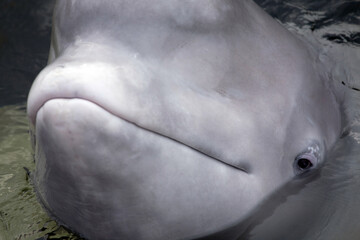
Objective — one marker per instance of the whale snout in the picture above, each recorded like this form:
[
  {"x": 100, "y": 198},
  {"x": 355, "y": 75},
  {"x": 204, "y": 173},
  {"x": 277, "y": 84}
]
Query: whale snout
[{"x": 168, "y": 108}]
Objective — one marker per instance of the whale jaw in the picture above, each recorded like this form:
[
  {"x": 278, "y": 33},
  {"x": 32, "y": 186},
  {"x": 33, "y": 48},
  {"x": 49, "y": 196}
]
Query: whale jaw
[{"x": 109, "y": 175}]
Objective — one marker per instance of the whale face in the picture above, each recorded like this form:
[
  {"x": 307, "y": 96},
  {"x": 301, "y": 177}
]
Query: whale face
[{"x": 173, "y": 119}]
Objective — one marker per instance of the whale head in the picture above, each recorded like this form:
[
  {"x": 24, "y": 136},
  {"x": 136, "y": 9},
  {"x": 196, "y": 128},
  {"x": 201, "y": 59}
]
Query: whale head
[{"x": 173, "y": 119}]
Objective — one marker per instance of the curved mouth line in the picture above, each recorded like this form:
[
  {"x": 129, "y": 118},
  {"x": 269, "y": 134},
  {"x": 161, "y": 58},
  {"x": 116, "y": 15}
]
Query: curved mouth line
[{"x": 145, "y": 129}]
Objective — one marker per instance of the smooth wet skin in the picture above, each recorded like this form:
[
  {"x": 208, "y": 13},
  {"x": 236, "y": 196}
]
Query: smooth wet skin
[{"x": 173, "y": 119}]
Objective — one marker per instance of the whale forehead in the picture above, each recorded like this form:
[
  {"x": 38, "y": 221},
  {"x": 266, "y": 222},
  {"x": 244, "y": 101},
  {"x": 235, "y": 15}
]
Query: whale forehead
[
  {"x": 225, "y": 59},
  {"x": 184, "y": 13}
]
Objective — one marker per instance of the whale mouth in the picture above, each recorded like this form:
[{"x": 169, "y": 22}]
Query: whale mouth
[{"x": 139, "y": 127}]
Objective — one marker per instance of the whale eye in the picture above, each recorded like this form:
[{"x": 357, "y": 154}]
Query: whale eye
[{"x": 305, "y": 162}]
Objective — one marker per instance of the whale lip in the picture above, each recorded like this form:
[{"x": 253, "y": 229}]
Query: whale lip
[{"x": 34, "y": 116}]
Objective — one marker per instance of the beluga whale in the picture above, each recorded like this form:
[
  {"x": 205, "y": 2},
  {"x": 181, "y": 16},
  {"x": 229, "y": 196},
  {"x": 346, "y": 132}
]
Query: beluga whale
[{"x": 174, "y": 119}]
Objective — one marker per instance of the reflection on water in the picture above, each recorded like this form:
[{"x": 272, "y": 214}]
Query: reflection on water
[
  {"x": 21, "y": 216},
  {"x": 328, "y": 207}
]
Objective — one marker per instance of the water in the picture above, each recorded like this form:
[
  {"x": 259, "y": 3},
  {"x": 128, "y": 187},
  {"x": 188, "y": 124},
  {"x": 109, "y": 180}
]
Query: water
[
  {"x": 24, "y": 43},
  {"x": 21, "y": 216},
  {"x": 327, "y": 207}
]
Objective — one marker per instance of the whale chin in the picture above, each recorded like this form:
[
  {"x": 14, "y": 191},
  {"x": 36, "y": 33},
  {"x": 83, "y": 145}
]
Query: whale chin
[{"x": 93, "y": 165}]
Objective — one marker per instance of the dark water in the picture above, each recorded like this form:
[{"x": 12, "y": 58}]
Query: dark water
[
  {"x": 24, "y": 44},
  {"x": 328, "y": 207}
]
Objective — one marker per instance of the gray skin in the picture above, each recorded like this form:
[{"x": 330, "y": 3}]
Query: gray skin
[{"x": 172, "y": 119}]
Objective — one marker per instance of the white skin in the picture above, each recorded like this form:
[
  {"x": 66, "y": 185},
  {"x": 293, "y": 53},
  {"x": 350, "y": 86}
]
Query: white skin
[{"x": 173, "y": 119}]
